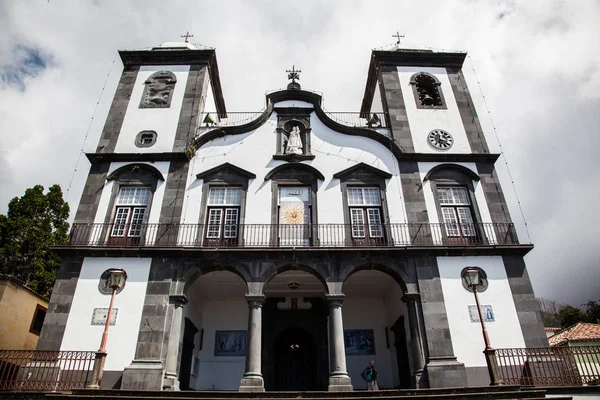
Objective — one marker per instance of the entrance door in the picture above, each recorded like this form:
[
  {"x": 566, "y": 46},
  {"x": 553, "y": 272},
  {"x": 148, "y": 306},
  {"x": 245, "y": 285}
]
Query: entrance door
[
  {"x": 187, "y": 351},
  {"x": 400, "y": 343},
  {"x": 295, "y": 361}
]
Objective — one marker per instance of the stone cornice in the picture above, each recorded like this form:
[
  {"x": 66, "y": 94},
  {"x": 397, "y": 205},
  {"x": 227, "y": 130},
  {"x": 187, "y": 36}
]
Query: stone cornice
[{"x": 97, "y": 158}]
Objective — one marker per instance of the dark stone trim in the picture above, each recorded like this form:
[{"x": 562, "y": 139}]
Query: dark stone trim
[
  {"x": 493, "y": 193},
  {"x": 90, "y": 198},
  {"x": 116, "y": 115},
  {"x": 403, "y": 57},
  {"x": 393, "y": 103},
  {"x": 467, "y": 111},
  {"x": 195, "y": 88},
  {"x": 420, "y": 106},
  {"x": 213, "y": 253},
  {"x": 528, "y": 308},
  {"x": 455, "y": 167},
  {"x": 224, "y": 167},
  {"x": 180, "y": 57},
  {"x": 412, "y": 189},
  {"x": 293, "y": 157},
  {"x": 295, "y": 166},
  {"x": 133, "y": 168},
  {"x": 361, "y": 166},
  {"x": 150, "y": 157},
  {"x": 174, "y": 196},
  {"x": 439, "y": 157}
]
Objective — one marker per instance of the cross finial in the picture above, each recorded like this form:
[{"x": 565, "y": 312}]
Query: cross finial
[
  {"x": 398, "y": 36},
  {"x": 187, "y": 35},
  {"x": 293, "y": 74}
]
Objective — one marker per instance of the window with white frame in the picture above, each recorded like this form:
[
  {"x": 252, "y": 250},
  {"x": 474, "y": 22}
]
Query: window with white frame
[
  {"x": 456, "y": 211},
  {"x": 365, "y": 212},
  {"x": 130, "y": 212},
  {"x": 223, "y": 211}
]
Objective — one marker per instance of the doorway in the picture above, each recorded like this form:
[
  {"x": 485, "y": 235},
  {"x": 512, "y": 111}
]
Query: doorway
[{"x": 295, "y": 360}]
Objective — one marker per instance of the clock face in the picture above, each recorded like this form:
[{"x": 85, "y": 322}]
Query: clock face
[{"x": 440, "y": 139}]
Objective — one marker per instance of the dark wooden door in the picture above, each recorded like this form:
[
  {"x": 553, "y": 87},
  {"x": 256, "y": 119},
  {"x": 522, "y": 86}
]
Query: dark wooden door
[
  {"x": 187, "y": 352},
  {"x": 400, "y": 344},
  {"x": 295, "y": 361}
]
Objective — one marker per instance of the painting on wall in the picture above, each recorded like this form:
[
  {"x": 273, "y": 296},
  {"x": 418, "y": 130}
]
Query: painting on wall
[
  {"x": 359, "y": 342},
  {"x": 230, "y": 343},
  {"x": 486, "y": 309}
]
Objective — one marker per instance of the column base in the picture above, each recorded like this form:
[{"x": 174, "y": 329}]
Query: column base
[
  {"x": 252, "y": 383},
  {"x": 143, "y": 375},
  {"x": 171, "y": 382},
  {"x": 446, "y": 372},
  {"x": 340, "y": 383}
]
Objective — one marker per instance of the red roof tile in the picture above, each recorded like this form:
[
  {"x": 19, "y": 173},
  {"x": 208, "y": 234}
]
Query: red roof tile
[{"x": 580, "y": 332}]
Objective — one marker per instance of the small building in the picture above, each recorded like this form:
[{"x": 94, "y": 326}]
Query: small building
[
  {"x": 580, "y": 334},
  {"x": 583, "y": 339},
  {"x": 22, "y": 313}
]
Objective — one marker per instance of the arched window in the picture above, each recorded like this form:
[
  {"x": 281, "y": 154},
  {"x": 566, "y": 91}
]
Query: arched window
[
  {"x": 158, "y": 90},
  {"x": 427, "y": 91}
]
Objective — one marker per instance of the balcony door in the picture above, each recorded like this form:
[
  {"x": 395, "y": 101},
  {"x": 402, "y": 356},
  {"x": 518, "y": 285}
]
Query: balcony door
[{"x": 294, "y": 216}]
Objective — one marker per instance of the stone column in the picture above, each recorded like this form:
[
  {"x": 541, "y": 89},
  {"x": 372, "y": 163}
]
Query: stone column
[
  {"x": 171, "y": 379},
  {"x": 253, "y": 379},
  {"x": 339, "y": 380},
  {"x": 416, "y": 339}
]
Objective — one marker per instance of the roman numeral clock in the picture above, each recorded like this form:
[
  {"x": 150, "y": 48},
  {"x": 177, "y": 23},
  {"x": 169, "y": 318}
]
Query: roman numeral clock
[{"x": 440, "y": 139}]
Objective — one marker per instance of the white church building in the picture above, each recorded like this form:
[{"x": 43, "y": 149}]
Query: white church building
[{"x": 285, "y": 249}]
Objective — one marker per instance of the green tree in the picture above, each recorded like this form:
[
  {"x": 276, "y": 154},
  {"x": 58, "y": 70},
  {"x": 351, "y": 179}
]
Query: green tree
[
  {"x": 570, "y": 315},
  {"x": 592, "y": 312},
  {"x": 33, "y": 223}
]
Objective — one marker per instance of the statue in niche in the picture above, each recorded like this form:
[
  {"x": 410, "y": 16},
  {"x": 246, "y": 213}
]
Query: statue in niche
[
  {"x": 158, "y": 91},
  {"x": 294, "y": 142}
]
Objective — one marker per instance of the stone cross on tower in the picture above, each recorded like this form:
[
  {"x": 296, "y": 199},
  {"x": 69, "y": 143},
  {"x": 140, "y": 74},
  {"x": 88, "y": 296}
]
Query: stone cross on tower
[
  {"x": 293, "y": 75},
  {"x": 187, "y": 35},
  {"x": 398, "y": 36}
]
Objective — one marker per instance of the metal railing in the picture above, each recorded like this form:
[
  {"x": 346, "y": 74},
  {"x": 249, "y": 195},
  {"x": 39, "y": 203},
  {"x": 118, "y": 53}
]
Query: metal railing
[
  {"x": 45, "y": 370},
  {"x": 354, "y": 119},
  {"x": 284, "y": 236},
  {"x": 549, "y": 366}
]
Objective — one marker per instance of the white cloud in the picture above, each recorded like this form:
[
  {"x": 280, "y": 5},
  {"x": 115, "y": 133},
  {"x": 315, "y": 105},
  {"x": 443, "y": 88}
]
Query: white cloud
[{"x": 538, "y": 63}]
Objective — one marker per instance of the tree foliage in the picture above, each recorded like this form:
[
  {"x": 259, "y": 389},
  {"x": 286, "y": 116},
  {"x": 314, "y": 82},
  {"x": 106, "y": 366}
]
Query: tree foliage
[
  {"x": 33, "y": 223},
  {"x": 570, "y": 315}
]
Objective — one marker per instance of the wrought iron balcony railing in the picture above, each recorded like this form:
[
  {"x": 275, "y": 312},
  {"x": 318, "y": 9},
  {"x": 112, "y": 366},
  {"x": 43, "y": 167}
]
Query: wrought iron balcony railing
[
  {"x": 374, "y": 121},
  {"x": 286, "y": 236},
  {"x": 45, "y": 370},
  {"x": 549, "y": 366}
]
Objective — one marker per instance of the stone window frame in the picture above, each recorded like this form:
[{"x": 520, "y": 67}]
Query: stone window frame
[
  {"x": 437, "y": 84},
  {"x": 223, "y": 176},
  {"x": 290, "y": 175},
  {"x": 138, "y": 139},
  {"x": 455, "y": 175},
  {"x": 364, "y": 176},
  {"x": 33, "y": 328},
  {"x": 147, "y": 82}
]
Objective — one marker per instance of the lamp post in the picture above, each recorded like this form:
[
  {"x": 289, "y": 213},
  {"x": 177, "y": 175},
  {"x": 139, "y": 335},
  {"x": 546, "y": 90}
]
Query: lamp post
[
  {"x": 472, "y": 278},
  {"x": 115, "y": 280}
]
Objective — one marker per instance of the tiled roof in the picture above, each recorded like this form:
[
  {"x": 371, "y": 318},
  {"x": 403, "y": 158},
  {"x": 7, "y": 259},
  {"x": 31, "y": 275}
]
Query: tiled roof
[{"x": 580, "y": 332}]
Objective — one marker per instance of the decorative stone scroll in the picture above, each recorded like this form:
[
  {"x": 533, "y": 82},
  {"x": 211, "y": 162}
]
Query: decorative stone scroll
[{"x": 158, "y": 90}]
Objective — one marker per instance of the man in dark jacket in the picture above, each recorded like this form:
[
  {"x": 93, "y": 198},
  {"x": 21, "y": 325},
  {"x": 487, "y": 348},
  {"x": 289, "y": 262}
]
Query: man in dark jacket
[{"x": 370, "y": 375}]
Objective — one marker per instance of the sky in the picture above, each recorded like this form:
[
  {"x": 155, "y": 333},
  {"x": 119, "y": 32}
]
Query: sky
[{"x": 535, "y": 64}]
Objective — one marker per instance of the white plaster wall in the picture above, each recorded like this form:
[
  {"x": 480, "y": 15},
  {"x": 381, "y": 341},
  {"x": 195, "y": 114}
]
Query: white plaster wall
[
  {"x": 369, "y": 313},
  {"x": 80, "y": 334},
  {"x": 467, "y": 338},
  {"x": 254, "y": 151},
  {"x": 423, "y": 121},
  {"x": 162, "y": 120},
  {"x": 221, "y": 373},
  {"x": 157, "y": 198}
]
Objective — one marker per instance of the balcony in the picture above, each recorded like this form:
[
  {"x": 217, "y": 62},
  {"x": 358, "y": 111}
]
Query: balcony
[{"x": 292, "y": 236}]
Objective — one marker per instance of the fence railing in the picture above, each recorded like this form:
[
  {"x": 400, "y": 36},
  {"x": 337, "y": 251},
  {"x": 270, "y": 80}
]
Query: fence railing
[
  {"x": 306, "y": 235},
  {"x": 549, "y": 366},
  {"x": 354, "y": 119},
  {"x": 45, "y": 370}
]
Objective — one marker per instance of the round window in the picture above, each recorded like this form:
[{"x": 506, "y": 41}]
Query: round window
[{"x": 145, "y": 138}]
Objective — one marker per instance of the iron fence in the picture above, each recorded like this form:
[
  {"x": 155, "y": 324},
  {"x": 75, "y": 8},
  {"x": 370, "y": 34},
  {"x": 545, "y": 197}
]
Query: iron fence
[
  {"x": 274, "y": 235},
  {"x": 45, "y": 370},
  {"x": 549, "y": 366}
]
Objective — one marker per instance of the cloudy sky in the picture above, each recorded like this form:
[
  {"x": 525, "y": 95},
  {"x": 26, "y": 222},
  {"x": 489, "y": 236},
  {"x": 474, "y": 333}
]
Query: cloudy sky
[{"x": 538, "y": 63}]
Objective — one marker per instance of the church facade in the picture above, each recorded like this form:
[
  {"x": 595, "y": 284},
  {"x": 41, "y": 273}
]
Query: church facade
[{"x": 285, "y": 249}]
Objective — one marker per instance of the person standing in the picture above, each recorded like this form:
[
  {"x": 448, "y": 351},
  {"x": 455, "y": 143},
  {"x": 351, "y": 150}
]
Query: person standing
[{"x": 370, "y": 375}]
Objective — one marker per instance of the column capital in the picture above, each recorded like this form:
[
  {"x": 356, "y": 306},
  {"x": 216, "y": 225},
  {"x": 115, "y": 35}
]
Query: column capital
[
  {"x": 255, "y": 300},
  {"x": 179, "y": 300},
  {"x": 411, "y": 297},
  {"x": 335, "y": 299}
]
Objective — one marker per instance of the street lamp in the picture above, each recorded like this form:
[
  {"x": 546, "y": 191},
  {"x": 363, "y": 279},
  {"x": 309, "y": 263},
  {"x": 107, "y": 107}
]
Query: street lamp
[
  {"x": 115, "y": 280},
  {"x": 472, "y": 277}
]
